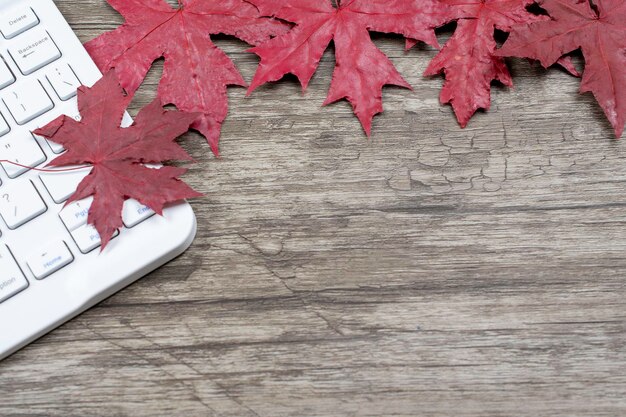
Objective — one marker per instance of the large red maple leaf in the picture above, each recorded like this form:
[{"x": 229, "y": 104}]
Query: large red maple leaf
[
  {"x": 599, "y": 29},
  {"x": 361, "y": 68},
  {"x": 196, "y": 73},
  {"x": 118, "y": 154},
  {"x": 468, "y": 59}
]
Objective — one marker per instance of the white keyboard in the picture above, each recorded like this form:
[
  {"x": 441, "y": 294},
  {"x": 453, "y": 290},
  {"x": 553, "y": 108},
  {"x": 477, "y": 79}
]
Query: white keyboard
[{"x": 50, "y": 266}]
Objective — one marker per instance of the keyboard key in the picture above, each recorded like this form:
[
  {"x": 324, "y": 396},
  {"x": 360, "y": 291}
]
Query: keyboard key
[
  {"x": 61, "y": 185},
  {"x": 55, "y": 147},
  {"x": 50, "y": 259},
  {"x": 6, "y": 76},
  {"x": 23, "y": 150},
  {"x": 12, "y": 280},
  {"x": 27, "y": 100},
  {"x": 134, "y": 213},
  {"x": 75, "y": 215},
  {"x": 4, "y": 126},
  {"x": 17, "y": 21},
  {"x": 64, "y": 81},
  {"x": 34, "y": 50},
  {"x": 87, "y": 238},
  {"x": 20, "y": 203}
]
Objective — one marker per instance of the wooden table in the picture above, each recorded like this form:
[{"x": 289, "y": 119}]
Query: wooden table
[{"x": 428, "y": 271}]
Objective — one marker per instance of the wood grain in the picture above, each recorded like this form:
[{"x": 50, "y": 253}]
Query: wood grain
[{"x": 428, "y": 271}]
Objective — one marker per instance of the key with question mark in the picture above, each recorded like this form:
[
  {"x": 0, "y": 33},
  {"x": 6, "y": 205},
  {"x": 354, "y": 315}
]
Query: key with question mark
[
  {"x": 20, "y": 202},
  {"x": 6, "y": 200}
]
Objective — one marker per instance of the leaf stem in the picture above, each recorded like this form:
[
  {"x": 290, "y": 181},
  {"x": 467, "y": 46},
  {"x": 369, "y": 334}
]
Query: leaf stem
[{"x": 4, "y": 161}]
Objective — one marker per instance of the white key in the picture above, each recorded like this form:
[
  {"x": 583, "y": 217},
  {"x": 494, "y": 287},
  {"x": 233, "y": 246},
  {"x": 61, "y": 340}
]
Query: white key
[
  {"x": 64, "y": 81},
  {"x": 69, "y": 108},
  {"x": 20, "y": 203},
  {"x": 55, "y": 147},
  {"x": 17, "y": 21},
  {"x": 6, "y": 76},
  {"x": 134, "y": 213},
  {"x": 4, "y": 126},
  {"x": 87, "y": 238},
  {"x": 75, "y": 215},
  {"x": 27, "y": 101},
  {"x": 61, "y": 185},
  {"x": 34, "y": 50},
  {"x": 49, "y": 259},
  {"x": 22, "y": 149},
  {"x": 12, "y": 280}
]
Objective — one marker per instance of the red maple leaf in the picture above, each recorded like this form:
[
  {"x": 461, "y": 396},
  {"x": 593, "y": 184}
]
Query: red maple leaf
[
  {"x": 118, "y": 154},
  {"x": 361, "y": 68},
  {"x": 599, "y": 29},
  {"x": 196, "y": 73},
  {"x": 468, "y": 59}
]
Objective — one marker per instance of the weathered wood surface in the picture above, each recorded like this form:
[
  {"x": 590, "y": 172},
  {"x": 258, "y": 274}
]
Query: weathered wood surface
[{"x": 429, "y": 271}]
